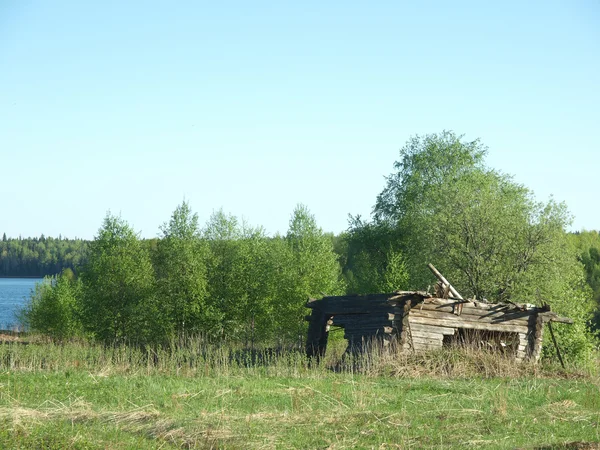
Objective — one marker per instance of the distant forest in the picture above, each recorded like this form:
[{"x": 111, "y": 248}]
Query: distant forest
[{"x": 39, "y": 256}]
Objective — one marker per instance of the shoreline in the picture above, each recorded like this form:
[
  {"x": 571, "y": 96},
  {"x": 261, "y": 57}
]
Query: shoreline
[{"x": 24, "y": 277}]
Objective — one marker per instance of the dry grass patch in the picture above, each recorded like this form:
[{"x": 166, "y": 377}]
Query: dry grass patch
[{"x": 145, "y": 421}]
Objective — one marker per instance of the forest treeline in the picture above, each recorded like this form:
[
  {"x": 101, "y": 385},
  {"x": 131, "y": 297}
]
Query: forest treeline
[
  {"x": 39, "y": 257},
  {"x": 228, "y": 280}
]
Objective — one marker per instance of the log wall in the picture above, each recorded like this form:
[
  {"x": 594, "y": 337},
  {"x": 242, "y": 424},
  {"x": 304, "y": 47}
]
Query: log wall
[{"x": 419, "y": 321}]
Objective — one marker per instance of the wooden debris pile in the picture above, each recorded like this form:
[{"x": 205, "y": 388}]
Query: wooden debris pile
[{"x": 421, "y": 321}]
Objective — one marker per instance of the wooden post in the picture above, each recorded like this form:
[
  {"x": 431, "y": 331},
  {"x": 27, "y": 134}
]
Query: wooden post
[{"x": 441, "y": 277}]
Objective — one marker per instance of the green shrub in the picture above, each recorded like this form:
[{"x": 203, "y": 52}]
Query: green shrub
[{"x": 53, "y": 307}]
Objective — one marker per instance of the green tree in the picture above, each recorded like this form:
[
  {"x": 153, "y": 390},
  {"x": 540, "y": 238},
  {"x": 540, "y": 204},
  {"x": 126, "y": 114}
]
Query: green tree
[
  {"x": 243, "y": 275},
  {"x": 118, "y": 302},
  {"x": 222, "y": 234},
  {"x": 312, "y": 270},
  {"x": 54, "y": 307},
  {"x": 374, "y": 260},
  {"x": 180, "y": 265},
  {"x": 587, "y": 244},
  {"x": 426, "y": 163}
]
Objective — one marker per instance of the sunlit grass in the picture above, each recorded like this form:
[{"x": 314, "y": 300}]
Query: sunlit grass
[{"x": 201, "y": 396}]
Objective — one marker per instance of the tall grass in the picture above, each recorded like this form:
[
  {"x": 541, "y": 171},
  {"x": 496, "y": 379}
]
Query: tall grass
[
  {"x": 195, "y": 356},
  {"x": 194, "y": 394}
]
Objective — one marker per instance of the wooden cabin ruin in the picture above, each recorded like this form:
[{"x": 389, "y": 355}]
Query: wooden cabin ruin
[{"x": 420, "y": 321}]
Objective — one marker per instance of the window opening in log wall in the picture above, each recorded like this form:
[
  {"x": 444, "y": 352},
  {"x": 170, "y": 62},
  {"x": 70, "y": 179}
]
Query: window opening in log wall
[{"x": 494, "y": 341}]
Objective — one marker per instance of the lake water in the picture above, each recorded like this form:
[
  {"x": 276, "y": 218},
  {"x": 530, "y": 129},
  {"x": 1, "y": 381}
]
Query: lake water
[{"x": 14, "y": 293}]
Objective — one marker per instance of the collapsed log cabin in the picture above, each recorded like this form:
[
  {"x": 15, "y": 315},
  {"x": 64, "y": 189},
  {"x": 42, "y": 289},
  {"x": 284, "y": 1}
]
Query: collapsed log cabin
[{"x": 419, "y": 321}]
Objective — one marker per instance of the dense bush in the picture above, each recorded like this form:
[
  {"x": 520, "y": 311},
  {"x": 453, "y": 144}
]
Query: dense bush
[
  {"x": 54, "y": 307},
  {"x": 227, "y": 281}
]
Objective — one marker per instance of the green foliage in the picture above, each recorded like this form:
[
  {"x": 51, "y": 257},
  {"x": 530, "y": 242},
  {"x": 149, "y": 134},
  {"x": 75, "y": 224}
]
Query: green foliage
[
  {"x": 181, "y": 281},
  {"x": 312, "y": 270},
  {"x": 426, "y": 163},
  {"x": 224, "y": 263},
  {"x": 38, "y": 257},
  {"x": 53, "y": 308},
  {"x": 374, "y": 261},
  {"x": 118, "y": 302},
  {"x": 239, "y": 287},
  {"x": 587, "y": 244},
  {"x": 259, "y": 284}
]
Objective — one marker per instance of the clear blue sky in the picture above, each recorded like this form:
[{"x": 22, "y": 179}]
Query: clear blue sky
[{"x": 256, "y": 106}]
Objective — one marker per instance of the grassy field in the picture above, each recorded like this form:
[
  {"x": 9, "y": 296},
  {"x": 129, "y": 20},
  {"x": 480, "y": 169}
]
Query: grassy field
[{"x": 87, "y": 397}]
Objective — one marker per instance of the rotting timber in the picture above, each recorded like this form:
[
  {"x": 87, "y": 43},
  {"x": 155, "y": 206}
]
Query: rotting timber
[{"x": 420, "y": 321}]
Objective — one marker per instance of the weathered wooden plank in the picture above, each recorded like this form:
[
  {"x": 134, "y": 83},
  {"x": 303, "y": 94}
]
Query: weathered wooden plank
[
  {"x": 366, "y": 321},
  {"x": 420, "y": 346},
  {"x": 465, "y": 318},
  {"x": 431, "y": 328},
  {"x": 424, "y": 334},
  {"x": 553, "y": 317},
  {"x": 458, "y": 323},
  {"x": 424, "y": 340},
  {"x": 340, "y": 319},
  {"x": 505, "y": 315},
  {"x": 369, "y": 330},
  {"x": 440, "y": 277},
  {"x": 483, "y": 305}
]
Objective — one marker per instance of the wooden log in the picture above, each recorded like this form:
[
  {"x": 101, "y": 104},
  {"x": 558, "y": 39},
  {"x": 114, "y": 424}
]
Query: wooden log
[
  {"x": 364, "y": 326},
  {"x": 403, "y": 324},
  {"x": 467, "y": 317},
  {"x": 508, "y": 314},
  {"x": 418, "y": 346},
  {"x": 424, "y": 334},
  {"x": 440, "y": 277},
  {"x": 361, "y": 318},
  {"x": 535, "y": 337},
  {"x": 431, "y": 329},
  {"x": 482, "y": 305},
  {"x": 464, "y": 317},
  {"x": 458, "y": 323},
  {"x": 427, "y": 341},
  {"x": 371, "y": 330},
  {"x": 553, "y": 317},
  {"x": 382, "y": 316}
]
